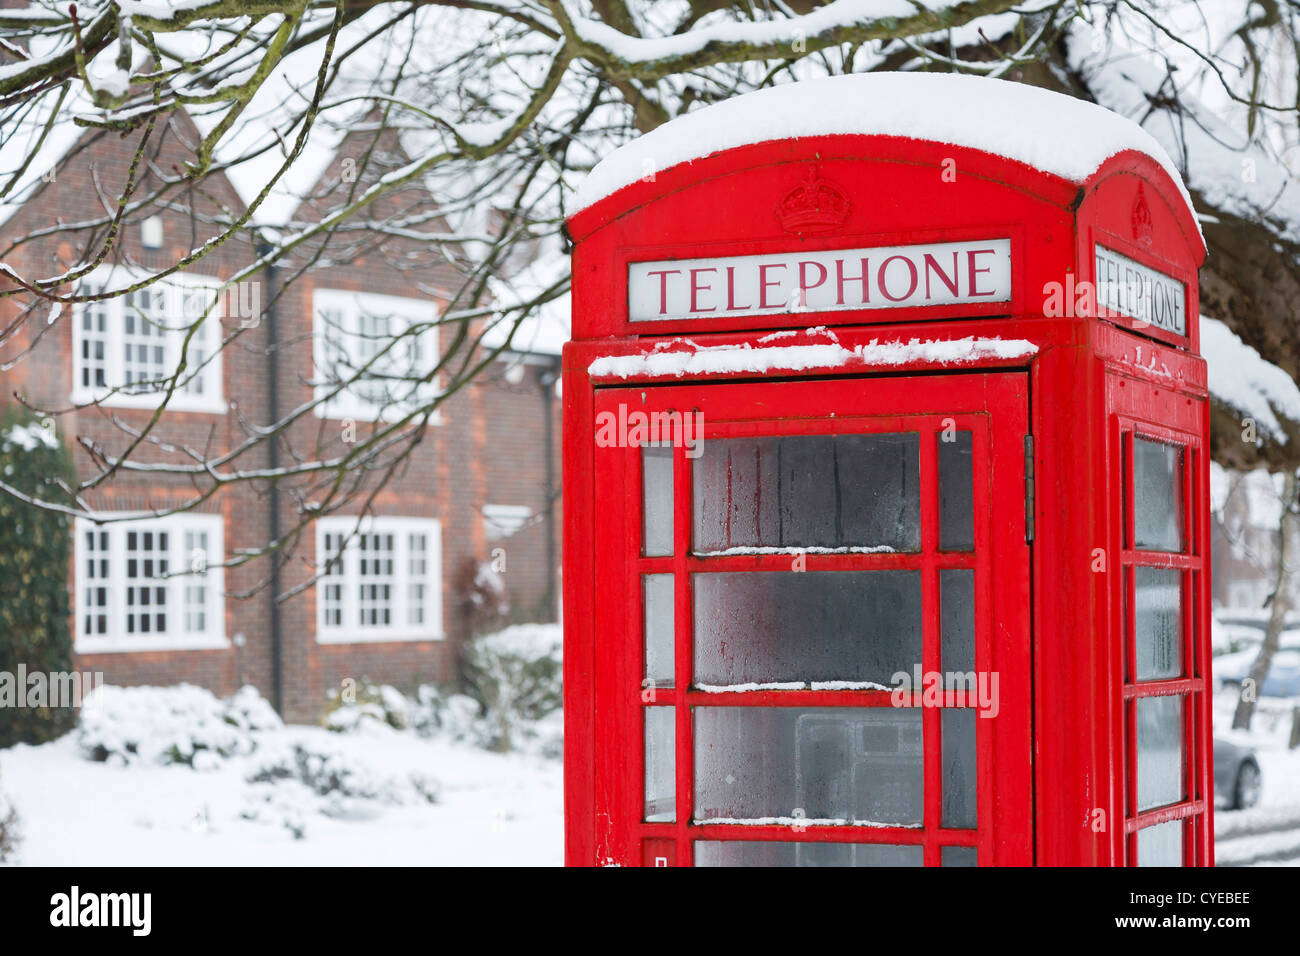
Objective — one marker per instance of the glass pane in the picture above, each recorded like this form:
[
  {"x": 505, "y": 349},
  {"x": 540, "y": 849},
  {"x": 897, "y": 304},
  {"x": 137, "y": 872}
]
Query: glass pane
[
  {"x": 882, "y": 854},
  {"x": 1157, "y": 623},
  {"x": 658, "y": 594},
  {"x": 660, "y": 765},
  {"x": 1157, "y": 496},
  {"x": 960, "y": 856},
  {"x": 808, "y": 491},
  {"x": 1159, "y": 751},
  {"x": 657, "y": 499},
  {"x": 959, "y": 767},
  {"x": 957, "y": 619},
  {"x": 779, "y": 853},
  {"x": 956, "y": 492},
  {"x": 847, "y": 765},
  {"x": 1161, "y": 845},
  {"x": 806, "y": 626}
]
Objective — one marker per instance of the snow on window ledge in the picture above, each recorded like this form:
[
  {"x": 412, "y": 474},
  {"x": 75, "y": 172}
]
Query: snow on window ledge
[
  {"x": 801, "y": 822},
  {"x": 819, "y": 685},
  {"x": 375, "y": 636},
  {"x": 683, "y": 357},
  {"x": 138, "y": 644},
  {"x": 179, "y": 402},
  {"x": 344, "y": 407}
]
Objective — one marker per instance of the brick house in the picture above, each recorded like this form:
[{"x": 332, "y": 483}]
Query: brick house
[
  {"x": 479, "y": 486},
  {"x": 1244, "y": 540}
]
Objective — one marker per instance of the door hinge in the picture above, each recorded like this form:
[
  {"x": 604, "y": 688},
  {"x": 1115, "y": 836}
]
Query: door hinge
[{"x": 1029, "y": 489}]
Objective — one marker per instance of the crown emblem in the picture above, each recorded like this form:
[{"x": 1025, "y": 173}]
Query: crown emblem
[
  {"x": 1142, "y": 218},
  {"x": 815, "y": 205}
]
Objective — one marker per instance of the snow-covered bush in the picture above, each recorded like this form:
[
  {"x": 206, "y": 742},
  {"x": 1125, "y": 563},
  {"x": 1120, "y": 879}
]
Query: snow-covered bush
[
  {"x": 294, "y": 780},
  {"x": 544, "y": 737},
  {"x": 250, "y": 711},
  {"x": 182, "y": 724},
  {"x": 514, "y": 700},
  {"x": 327, "y": 771},
  {"x": 432, "y": 712},
  {"x": 516, "y": 675},
  {"x": 8, "y": 829},
  {"x": 458, "y": 717},
  {"x": 286, "y": 805},
  {"x": 367, "y": 705}
]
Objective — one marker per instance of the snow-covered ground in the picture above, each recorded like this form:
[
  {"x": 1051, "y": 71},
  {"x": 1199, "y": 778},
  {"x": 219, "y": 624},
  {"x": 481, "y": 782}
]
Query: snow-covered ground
[
  {"x": 491, "y": 809},
  {"x": 294, "y": 795}
]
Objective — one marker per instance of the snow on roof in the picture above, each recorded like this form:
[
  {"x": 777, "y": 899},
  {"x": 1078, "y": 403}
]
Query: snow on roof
[
  {"x": 266, "y": 134},
  {"x": 1052, "y": 132},
  {"x": 1241, "y": 379},
  {"x": 249, "y": 177}
]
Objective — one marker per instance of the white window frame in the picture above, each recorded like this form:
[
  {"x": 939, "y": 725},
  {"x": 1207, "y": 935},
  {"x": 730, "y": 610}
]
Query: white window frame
[
  {"x": 351, "y": 631},
  {"x": 352, "y": 307},
  {"x": 176, "y": 637},
  {"x": 207, "y": 341}
]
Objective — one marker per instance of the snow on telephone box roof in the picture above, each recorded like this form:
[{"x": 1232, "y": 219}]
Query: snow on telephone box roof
[{"x": 1051, "y": 132}]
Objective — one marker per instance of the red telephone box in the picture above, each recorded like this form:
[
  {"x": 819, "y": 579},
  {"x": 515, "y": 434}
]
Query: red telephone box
[{"x": 885, "y": 466}]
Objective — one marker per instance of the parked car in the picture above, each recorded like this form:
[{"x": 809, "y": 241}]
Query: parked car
[
  {"x": 1242, "y": 630},
  {"x": 1257, "y": 618},
  {"x": 1237, "y": 779},
  {"x": 1283, "y": 673}
]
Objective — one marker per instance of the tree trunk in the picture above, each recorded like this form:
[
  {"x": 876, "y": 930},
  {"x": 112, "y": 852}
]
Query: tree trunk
[{"x": 1277, "y": 618}]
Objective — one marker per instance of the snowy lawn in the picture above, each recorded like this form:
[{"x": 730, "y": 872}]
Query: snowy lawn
[{"x": 492, "y": 809}]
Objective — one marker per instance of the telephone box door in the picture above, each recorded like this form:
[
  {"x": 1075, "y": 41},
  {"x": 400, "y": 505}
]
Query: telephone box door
[{"x": 813, "y": 623}]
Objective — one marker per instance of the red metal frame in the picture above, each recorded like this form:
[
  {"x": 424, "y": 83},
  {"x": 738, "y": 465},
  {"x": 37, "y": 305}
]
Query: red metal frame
[
  {"x": 1193, "y": 685},
  {"x": 994, "y": 408},
  {"x": 1090, "y": 382}
]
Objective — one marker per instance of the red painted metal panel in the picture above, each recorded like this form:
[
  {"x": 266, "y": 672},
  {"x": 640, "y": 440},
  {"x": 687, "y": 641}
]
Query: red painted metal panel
[
  {"x": 659, "y": 853},
  {"x": 579, "y": 598}
]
